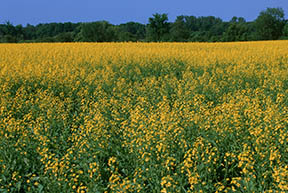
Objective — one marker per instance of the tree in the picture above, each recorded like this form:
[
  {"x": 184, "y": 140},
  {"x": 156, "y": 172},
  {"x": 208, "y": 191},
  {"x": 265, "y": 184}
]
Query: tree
[
  {"x": 100, "y": 31},
  {"x": 64, "y": 37},
  {"x": 179, "y": 31},
  {"x": 191, "y": 23},
  {"x": 207, "y": 23},
  {"x": 131, "y": 31},
  {"x": 237, "y": 30},
  {"x": 158, "y": 28},
  {"x": 237, "y": 20},
  {"x": 9, "y": 33},
  {"x": 208, "y": 29},
  {"x": 285, "y": 30},
  {"x": 29, "y": 32},
  {"x": 269, "y": 24}
]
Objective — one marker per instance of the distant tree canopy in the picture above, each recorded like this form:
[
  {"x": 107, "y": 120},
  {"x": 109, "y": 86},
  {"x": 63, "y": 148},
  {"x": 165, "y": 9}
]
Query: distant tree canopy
[
  {"x": 237, "y": 30},
  {"x": 131, "y": 31},
  {"x": 100, "y": 31},
  {"x": 269, "y": 25},
  {"x": 180, "y": 31},
  {"x": 158, "y": 28},
  {"x": 285, "y": 30}
]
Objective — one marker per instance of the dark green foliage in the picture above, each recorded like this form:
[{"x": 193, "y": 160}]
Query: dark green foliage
[
  {"x": 10, "y": 33},
  {"x": 131, "y": 31},
  {"x": 270, "y": 25},
  {"x": 65, "y": 37},
  {"x": 180, "y": 31},
  {"x": 285, "y": 30},
  {"x": 54, "y": 29},
  {"x": 158, "y": 28},
  {"x": 237, "y": 30},
  {"x": 101, "y": 31}
]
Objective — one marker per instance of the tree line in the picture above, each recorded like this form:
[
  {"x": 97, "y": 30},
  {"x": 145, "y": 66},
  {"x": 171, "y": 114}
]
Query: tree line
[{"x": 269, "y": 25}]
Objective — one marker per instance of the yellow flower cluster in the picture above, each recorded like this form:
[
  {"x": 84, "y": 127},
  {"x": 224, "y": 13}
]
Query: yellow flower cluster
[{"x": 144, "y": 117}]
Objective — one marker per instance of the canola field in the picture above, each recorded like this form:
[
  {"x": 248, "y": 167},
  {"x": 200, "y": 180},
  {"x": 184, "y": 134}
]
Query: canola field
[{"x": 144, "y": 117}]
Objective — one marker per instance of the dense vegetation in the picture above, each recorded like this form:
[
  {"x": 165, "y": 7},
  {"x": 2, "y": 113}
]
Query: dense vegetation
[
  {"x": 270, "y": 25},
  {"x": 144, "y": 117}
]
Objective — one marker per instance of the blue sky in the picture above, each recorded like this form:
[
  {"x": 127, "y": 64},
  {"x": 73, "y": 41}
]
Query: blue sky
[{"x": 121, "y": 11}]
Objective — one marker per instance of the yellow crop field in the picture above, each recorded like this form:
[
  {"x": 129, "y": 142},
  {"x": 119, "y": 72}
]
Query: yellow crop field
[{"x": 144, "y": 117}]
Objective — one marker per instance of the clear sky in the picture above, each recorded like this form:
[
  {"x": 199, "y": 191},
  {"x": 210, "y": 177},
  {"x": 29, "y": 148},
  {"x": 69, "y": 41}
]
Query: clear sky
[{"x": 121, "y": 11}]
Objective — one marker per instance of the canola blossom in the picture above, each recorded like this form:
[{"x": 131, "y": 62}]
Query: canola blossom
[{"x": 144, "y": 117}]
